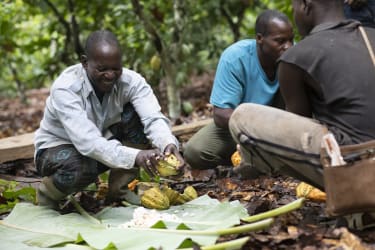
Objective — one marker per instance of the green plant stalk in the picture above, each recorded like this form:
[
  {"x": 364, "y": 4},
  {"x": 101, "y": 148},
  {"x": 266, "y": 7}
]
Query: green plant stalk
[
  {"x": 128, "y": 204},
  {"x": 228, "y": 245},
  {"x": 276, "y": 212},
  {"x": 256, "y": 226},
  {"x": 82, "y": 211},
  {"x": 259, "y": 225}
]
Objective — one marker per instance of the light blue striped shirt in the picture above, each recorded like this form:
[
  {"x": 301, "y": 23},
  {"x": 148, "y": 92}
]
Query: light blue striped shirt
[{"x": 74, "y": 115}]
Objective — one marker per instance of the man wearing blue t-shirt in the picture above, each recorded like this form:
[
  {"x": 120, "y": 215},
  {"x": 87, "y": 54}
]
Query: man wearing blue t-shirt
[{"x": 246, "y": 72}]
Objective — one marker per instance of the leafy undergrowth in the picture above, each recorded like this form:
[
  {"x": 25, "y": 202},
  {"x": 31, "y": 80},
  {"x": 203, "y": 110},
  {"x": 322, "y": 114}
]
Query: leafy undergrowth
[
  {"x": 12, "y": 193},
  {"x": 305, "y": 228}
]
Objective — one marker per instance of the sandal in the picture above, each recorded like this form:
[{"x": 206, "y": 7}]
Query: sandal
[{"x": 360, "y": 221}]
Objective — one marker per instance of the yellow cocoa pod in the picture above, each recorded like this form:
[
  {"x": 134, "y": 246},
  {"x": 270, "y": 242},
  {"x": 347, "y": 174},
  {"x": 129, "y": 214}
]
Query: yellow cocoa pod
[
  {"x": 155, "y": 62},
  {"x": 168, "y": 166},
  {"x": 142, "y": 186},
  {"x": 309, "y": 192},
  {"x": 172, "y": 160},
  {"x": 181, "y": 199},
  {"x": 236, "y": 159},
  {"x": 190, "y": 193},
  {"x": 171, "y": 194},
  {"x": 154, "y": 198}
]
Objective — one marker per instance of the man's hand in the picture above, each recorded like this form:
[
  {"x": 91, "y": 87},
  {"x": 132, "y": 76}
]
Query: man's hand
[
  {"x": 172, "y": 149},
  {"x": 148, "y": 159},
  {"x": 356, "y": 4}
]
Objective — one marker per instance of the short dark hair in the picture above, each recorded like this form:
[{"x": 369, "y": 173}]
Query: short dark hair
[
  {"x": 263, "y": 20},
  {"x": 99, "y": 37}
]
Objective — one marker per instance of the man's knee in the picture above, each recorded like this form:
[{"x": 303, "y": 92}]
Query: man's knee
[
  {"x": 76, "y": 176},
  {"x": 198, "y": 157},
  {"x": 192, "y": 155}
]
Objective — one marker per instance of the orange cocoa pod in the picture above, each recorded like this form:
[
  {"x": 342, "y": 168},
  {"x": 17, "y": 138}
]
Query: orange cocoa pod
[
  {"x": 309, "y": 192},
  {"x": 236, "y": 159},
  {"x": 133, "y": 184}
]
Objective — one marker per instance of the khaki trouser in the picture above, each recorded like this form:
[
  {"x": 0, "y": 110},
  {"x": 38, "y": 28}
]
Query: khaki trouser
[
  {"x": 276, "y": 141},
  {"x": 209, "y": 147}
]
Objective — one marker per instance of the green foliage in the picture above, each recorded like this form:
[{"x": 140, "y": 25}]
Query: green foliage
[
  {"x": 39, "y": 38},
  {"x": 102, "y": 178},
  {"x": 11, "y": 194},
  {"x": 145, "y": 177}
]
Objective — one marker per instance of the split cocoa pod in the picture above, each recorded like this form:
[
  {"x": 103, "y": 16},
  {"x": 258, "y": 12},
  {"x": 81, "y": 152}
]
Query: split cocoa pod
[{"x": 168, "y": 166}]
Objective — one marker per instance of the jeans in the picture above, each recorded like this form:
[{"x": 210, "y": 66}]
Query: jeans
[{"x": 71, "y": 172}]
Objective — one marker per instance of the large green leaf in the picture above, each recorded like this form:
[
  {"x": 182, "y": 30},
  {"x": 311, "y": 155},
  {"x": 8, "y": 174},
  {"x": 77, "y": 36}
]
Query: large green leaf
[
  {"x": 203, "y": 220},
  {"x": 22, "y": 239}
]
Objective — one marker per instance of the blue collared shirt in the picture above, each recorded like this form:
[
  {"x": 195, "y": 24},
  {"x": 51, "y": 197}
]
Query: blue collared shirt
[
  {"x": 240, "y": 78},
  {"x": 74, "y": 115}
]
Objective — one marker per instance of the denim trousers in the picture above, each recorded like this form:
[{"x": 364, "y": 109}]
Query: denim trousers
[{"x": 71, "y": 171}]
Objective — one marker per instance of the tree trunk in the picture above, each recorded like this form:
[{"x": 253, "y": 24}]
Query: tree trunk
[
  {"x": 19, "y": 84},
  {"x": 174, "y": 100},
  {"x": 168, "y": 54},
  {"x": 173, "y": 91}
]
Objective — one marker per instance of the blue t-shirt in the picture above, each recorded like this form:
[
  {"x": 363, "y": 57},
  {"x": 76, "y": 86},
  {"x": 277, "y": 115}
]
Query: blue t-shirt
[{"x": 240, "y": 78}]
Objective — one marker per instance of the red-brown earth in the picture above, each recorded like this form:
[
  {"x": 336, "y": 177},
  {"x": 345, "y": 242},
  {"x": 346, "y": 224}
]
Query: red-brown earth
[{"x": 306, "y": 228}]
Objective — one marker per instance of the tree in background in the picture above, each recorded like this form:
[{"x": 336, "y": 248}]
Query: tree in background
[{"x": 166, "y": 41}]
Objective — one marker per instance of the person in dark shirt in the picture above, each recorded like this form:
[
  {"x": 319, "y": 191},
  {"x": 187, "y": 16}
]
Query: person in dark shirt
[{"x": 328, "y": 84}]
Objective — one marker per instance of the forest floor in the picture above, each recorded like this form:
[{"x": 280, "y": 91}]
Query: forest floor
[{"x": 306, "y": 228}]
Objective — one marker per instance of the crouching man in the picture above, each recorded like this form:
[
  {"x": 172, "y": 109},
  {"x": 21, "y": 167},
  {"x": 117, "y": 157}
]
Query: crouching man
[{"x": 99, "y": 116}]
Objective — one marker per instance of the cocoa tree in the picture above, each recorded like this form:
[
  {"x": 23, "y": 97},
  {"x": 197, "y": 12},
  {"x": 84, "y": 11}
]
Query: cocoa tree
[{"x": 39, "y": 38}]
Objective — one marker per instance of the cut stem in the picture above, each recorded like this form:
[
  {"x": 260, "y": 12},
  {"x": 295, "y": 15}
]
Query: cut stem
[
  {"x": 276, "y": 212},
  {"x": 232, "y": 244},
  {"x": 259, "y": 225},
  {"x": 256, "y": 226}
]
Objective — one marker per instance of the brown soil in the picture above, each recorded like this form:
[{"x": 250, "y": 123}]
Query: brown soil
[{"x": 306, "y": 228}]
